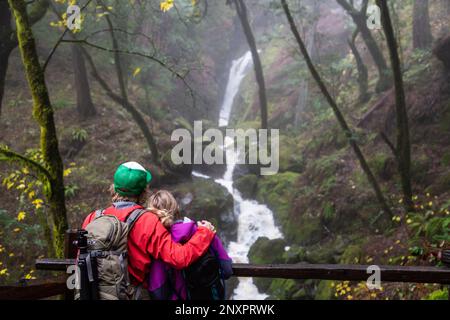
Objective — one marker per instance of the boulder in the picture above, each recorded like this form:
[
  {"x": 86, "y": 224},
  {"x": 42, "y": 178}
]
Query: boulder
[
  {"x": 204, "y": 199},
  {"x": 442, "y": 51}
]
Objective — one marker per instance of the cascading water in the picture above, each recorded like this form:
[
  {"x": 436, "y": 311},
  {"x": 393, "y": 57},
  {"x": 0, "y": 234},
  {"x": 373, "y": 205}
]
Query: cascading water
[{"x": 254, "y": 220}]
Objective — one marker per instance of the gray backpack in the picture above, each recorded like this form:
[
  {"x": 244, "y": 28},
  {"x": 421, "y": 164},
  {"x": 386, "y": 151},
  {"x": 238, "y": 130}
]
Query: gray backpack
[{"x": 107, "y": 248}]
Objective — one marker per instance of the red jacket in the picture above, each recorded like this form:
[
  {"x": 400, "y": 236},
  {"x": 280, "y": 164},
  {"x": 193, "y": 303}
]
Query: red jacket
[{"x": 149, "y": 239}]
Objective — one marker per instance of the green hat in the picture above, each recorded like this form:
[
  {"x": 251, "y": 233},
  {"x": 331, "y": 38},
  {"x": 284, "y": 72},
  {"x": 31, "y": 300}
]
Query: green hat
[{"x": 131, "y": 179}]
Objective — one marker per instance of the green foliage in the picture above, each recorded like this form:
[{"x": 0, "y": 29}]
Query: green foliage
[
  {"x": 20, "y": 244},
  {"x": 71, "y": 191},
  {"x": 328, "y": 212},
  {"x": 438, "y": 295},
  {"x": 79, "y": 134}
]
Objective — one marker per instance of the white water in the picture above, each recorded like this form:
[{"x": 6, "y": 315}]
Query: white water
[
  {"x": 254, "y": 220},
  {"x": 238, "y": 72}
]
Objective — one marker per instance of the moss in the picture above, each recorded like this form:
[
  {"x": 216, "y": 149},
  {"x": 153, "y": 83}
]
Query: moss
[
  {"x": 324, "y": 291},
  {"x": 306, "y": 231},
  {"x": 277, "y": 192},
  {"x": 283, "y": 289},
  {"x": 291, "y": 158},
  {"x": 247, "y": 185},
  {"x": 328, "y": 212},
  {"x": 265, "y": 251},
  {"x": 295, "y": 254},
  {"x": 352, "y": 255}
]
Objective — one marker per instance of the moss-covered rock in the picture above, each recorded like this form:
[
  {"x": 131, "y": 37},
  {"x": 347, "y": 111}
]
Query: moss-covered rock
[
  {"x": 352, "y": 254},
  {"x": 205, "y": 199},
  {"x": 247, "y": 185},
  {"x": 172, "y": 172},
  {"x": 266, "y": 251},
  {"x": 277, "y": 192}
]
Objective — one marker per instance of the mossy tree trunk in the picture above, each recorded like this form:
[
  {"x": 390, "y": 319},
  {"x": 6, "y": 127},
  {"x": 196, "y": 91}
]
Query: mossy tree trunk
[
  {"x": 339, "y": 116},
  {"x": 241, "y": 10},
  {"x": 43, "y": 114},
  {"x": 403, "y": 148},
  {"x": 360, "y": 19}
]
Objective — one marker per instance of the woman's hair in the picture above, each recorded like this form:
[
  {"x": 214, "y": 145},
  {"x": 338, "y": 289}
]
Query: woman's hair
[
  {"x": 140, "y": 199},
  {"x": 165, "y": 206}
]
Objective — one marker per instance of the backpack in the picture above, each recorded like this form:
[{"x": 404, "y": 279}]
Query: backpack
[
  {"x": 203, "y": 279},
  {"x": 106, "y": 260}
]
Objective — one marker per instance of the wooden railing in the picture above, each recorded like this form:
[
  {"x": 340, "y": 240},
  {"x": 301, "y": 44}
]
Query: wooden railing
[{"x": 292, "y": 271}]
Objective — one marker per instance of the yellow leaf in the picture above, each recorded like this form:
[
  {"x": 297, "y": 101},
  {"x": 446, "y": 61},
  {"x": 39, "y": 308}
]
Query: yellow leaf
[
  {"x": 21, "y": 216},
  {"x": 166, "y": 5},
  {"x": 136, "y": 71},
  {"x": 16, "y": 230},
  {"x": 67, "y": 172}
]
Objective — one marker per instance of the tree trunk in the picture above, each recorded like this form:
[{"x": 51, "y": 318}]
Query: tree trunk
[
  {"x": 360, "y": 19},
  {"x": 85, "y": 107},
  {"x": 8, "y": 41},
  {"x": 5, "y": 45},
  {"x": 43, "y": 113},
  {"x": 363, "y": 75},
  {"x": 337, "y": 112},
  {"x": 241, "y": 10},
  {"x": 403, "y": 143},
  {"x": 4, "y": 60},
  {"x": 304, "y": 83},
  {"x": 422, "y": 37}
]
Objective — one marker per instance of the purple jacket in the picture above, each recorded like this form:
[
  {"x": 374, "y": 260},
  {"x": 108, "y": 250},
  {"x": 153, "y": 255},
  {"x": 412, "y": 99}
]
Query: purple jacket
[{"x": 159, "y": 286}]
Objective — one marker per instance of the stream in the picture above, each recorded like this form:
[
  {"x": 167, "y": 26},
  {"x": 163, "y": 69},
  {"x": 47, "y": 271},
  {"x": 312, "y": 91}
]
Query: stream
[{"x": 255, "y": 220}]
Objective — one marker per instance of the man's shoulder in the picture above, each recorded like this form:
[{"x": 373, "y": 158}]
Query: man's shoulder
[{"x": 146, "y": 218}]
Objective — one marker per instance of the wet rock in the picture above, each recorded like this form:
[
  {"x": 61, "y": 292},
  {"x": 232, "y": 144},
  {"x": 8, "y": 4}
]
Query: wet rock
[
  {"x": 442, "y": 51},
  {"x": 247, "y": 186},
  {"x": 266, "y": 251},
  {"x": 203, "y": 199}
]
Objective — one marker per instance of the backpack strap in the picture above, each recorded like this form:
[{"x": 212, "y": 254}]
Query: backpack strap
[
  {"x": 133, "y": 217},
  {"x": 98, "y": 213}
]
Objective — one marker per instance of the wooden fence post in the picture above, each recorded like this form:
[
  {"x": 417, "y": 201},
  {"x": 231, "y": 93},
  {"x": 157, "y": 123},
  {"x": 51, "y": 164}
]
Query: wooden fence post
[{"x": 70, "y": 252}]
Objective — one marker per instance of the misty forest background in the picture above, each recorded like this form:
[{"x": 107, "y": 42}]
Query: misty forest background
[{"x": 364, "y": 118}]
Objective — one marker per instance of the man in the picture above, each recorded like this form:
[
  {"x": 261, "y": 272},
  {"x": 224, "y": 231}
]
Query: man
[{"x": 149, "y": 239}]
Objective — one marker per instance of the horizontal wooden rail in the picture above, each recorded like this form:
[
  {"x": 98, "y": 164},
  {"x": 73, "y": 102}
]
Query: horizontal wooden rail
[
  {"x": 33, "y": 292},
  {"x": 310, "y": 271},
  {"x": 344, "y": 272}
]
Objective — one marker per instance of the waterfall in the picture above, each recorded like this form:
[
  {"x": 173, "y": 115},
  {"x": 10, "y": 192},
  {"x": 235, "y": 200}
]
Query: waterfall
[
  {"x": 254, "y": 220},
  {"x": 238, "y": 72}
]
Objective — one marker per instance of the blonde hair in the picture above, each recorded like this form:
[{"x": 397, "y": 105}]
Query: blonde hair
[
  {"x": 164, "y": 205},
  {"x": 140, "y": 199}
]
